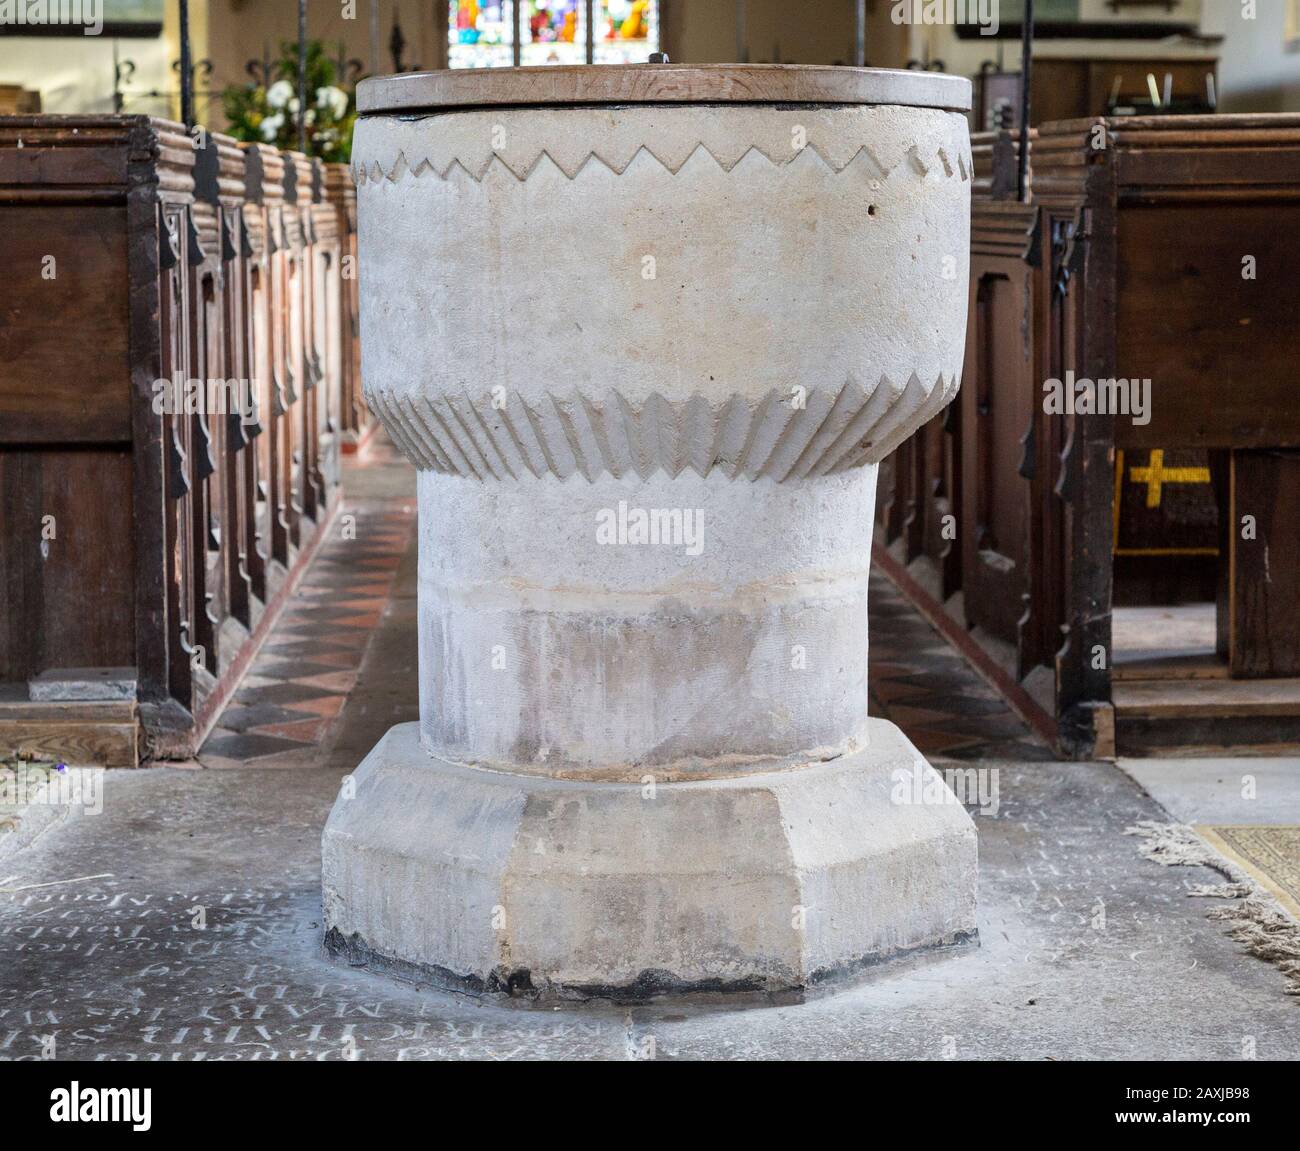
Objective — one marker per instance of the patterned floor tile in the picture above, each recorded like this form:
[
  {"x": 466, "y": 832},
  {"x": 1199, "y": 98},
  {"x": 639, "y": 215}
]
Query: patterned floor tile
[
  {"x": 246, "y": 746},
  {"x": 892, "y": 692},
  {"x": 241, "y": 718},
  {"x": 335, "y": 681},
  {"x": 302, "y": 731},
  {"x": 297, "y": 686},
  {"x": 930, "y": 742},
  {"x": 920, "y": 683},
  {"x": 328, "y": 706},
  {"x": 908, "y": 716},
  {"x": 286, "y": 706},
  {"x": 368, "y": 620},
  {"x": 311, "y": 649},
  {"x": 336, "y": 659},
  {"x": 295, "y": 669}
]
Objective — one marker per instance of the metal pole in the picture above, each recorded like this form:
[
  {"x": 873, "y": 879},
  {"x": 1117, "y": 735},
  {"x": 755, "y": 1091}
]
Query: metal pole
[
  {"x": 591, "y": 31},
  {"x": 187, "y": 79},
  {"x": 517, "y": 53},
  {"x": 860, "y": 35},
  {"x": 302, "y": 75},
  {"x": 1026, "y": 75}
]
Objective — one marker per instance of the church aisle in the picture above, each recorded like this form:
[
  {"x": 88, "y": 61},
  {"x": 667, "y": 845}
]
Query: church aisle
[
  {"x": 197, "y": 893},
  {"x": 286, "y": 709},
  {"x": 184, "y": 921},
  {"x": 923, "y": 684}
]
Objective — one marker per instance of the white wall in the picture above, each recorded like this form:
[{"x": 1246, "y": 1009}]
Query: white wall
[
  {"x": 1257, "y": 72},
  {"x": 75, "y": 73},
  {"x": 966, "y": 56}
]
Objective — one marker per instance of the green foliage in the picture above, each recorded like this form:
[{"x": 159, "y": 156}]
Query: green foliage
[{"x": 269, "y": 115}]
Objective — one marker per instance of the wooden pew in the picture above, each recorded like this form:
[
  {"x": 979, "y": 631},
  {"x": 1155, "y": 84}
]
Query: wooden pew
[
  {"x": 147, "y": 540},
  {"x": 1128, "y": 262},
  {"x": 355, "y": 420},
  {"x": 263, "y": 217},
  {"x": 220, "y": 192},
  {"x": 95, "y": 209},
  {"x": 295, "y": 301},
  {"x": 327, "y": 331},
  {"x": 970, "y": 465}
]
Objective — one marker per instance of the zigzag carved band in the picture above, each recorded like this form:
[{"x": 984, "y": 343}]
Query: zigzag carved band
[
  {"x": 941, "y": 163},
  {"x": 771, "y": 436}
]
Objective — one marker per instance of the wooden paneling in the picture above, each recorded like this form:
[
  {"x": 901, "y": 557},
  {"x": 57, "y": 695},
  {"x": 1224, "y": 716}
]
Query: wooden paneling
[
  {"x": 996, "y": 408},
  {"x": 1127, "y": 80},
  {"x": 66, "y": 560},
  {"x": 918, "y": 498},
  {"x": 106, "y": 734},
  {"x": 63, "y": 267},
  {"x": 1220, "y": 350},
  {"x": 176, "y": 528},
  {"x": 1060, "y": 91},
  {"x": 16, "y": 98},
  {"x": 1069, "y": 88},
  {"x": 1126, "y": 263},
  {"x": 1262, "y": 540},
  {"x": 355, "y": 419}
]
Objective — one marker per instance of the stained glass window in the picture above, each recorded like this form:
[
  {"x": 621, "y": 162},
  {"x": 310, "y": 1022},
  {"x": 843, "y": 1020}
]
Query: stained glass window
[
  {"x": 627, "y": 31},
  {"x": 553, "y": 32},
  {"x": 482, "y": 34}
]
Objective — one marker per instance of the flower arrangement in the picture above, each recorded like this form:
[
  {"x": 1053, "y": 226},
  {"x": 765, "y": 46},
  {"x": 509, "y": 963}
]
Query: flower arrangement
[{"x": 269, "y": 115}]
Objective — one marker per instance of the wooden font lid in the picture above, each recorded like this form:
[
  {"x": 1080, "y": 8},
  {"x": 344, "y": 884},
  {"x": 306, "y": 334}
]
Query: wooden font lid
[{"x": 661, "y": 84}]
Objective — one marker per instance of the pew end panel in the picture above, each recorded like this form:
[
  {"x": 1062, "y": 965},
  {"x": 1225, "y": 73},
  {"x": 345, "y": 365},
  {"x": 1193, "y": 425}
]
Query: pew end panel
[{"x": 138, "y": 525}]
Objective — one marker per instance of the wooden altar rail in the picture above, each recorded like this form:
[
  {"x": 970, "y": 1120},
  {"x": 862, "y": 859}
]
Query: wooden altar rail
[
  {"x": 1126, "y": 263},
  {"x": 150, "y": 528}
]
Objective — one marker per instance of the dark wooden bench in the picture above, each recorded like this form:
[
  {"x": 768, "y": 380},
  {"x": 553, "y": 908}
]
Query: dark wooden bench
[
  {"x": 1129, "y": 261},
  {"x": 135, "y": 534}
]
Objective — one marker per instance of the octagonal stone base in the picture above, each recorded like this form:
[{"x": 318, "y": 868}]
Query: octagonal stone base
[{"x": 765, "y": 882}]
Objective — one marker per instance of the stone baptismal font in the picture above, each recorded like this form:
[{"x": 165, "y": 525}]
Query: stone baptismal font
[{"x": 647, "y": 332}]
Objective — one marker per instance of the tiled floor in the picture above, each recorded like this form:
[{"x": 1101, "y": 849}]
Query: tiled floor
[
  {"x": 301, "y": 679},
  {"x": 285, "y": 709},
  {"x": 921, "y": 683},
  {"x": 1154, "y": 980}
]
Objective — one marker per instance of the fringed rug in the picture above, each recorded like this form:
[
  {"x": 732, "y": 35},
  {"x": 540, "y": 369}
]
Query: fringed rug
[
  {"x": 1270, "y": 855},
  {"x": 1262, "y": 867}
]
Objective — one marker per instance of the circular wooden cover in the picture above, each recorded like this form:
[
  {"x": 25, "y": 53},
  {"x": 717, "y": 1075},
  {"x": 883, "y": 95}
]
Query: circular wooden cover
[{"x": 661, "y": 84}]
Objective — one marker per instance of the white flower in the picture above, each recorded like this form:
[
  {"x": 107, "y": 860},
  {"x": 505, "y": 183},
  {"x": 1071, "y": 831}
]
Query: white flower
[
  {"x": 277, "y": 95},
  {"x": 310, "y": 118},
  {"x": 335, "y": 99},
  {"x": 293, "y": 105},
  {"x": 271, "y": 127}
]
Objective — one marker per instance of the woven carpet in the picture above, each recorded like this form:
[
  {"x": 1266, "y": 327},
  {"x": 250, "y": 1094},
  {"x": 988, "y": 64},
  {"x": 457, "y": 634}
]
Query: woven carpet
[{"x": 1270, "y": 854}]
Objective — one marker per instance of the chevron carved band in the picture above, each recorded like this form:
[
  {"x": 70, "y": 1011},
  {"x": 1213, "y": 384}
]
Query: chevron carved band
[
  {"x": 941, "y": 162},
  {"x": 774, "y": 437},
  {"x": 921, "y": 143}
]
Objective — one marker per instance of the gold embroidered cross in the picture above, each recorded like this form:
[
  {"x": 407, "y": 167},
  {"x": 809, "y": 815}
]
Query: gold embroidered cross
[{"x": 1155, "y": 475}]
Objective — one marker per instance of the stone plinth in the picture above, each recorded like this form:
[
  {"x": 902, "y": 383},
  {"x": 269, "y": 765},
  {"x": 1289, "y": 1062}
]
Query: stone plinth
[{"x": 647, "y": 333}]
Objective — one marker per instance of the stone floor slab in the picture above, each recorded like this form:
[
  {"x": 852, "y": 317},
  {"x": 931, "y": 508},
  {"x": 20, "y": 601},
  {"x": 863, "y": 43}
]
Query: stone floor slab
[{"x": 200, "y": 934}]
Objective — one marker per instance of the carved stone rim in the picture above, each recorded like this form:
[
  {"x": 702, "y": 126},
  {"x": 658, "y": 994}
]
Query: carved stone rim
[{"x": 662, "y": 84}]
